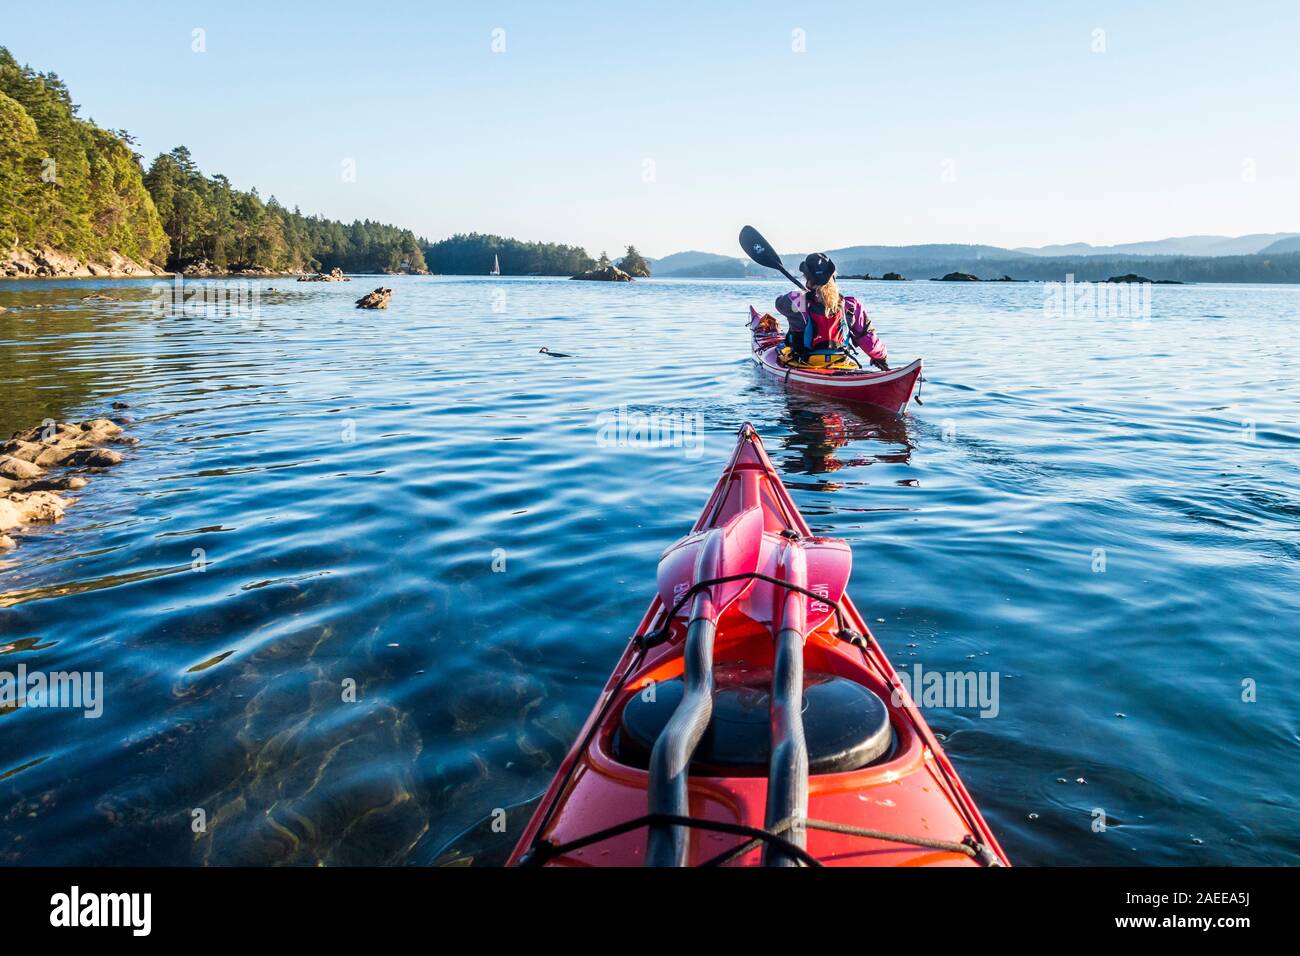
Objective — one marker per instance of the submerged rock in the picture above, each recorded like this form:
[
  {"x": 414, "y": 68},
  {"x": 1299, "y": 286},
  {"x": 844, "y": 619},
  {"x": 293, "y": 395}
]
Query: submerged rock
[
  {"x": 61, "y": 483},
  {"x": 375, "y": 300}
]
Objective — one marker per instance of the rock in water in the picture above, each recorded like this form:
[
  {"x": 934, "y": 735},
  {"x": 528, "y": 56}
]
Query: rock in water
[
  {"x": 334, "y": 275},
  {"x": 375, "y": 300},
  {"x": 607, "y": 274},
  {"x": 27, "y": 493},
  {"x": 893, "y": 277},
  {"x": 19, "y": 470},
  {"x": 960, "y": 277}
]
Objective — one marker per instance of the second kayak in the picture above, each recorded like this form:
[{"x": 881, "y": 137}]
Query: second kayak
[
  {"x": 754, "y": 719},
  {"x": 892, "y": 390}
]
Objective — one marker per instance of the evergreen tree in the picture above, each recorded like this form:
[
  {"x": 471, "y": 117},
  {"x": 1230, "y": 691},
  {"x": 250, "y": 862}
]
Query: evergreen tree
[
  {"x": 67, "y": 183},
  {"x": 633, "y": 264}
]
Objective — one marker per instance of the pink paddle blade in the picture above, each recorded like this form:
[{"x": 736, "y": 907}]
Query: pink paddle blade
[
  {"x": 827, "y": 564},
  {"x": 733, "y": 549}
]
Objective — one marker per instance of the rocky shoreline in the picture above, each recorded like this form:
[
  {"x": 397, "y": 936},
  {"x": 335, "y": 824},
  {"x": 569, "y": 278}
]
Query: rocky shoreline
[
  {"x": 47, "y": 263},
  {"x": 43, "y": 262},
  {"x": 29, "y": 493}
]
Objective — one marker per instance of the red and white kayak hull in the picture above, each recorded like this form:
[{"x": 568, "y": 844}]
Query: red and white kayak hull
[{"x": 892, "y": 390}]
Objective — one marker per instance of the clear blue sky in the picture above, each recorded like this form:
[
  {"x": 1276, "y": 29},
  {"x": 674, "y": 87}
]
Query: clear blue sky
[{"x": 846, "y": 143}]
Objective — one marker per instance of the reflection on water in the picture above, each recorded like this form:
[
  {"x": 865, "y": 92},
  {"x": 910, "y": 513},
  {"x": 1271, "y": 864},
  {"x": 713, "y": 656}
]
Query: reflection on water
[
  {"x": 818, "y": 429},
  {"x": 419, "y": 564}
]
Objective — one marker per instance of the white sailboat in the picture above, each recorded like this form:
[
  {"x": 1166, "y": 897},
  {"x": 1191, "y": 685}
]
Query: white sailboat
[{"x": 496, "y": 266}]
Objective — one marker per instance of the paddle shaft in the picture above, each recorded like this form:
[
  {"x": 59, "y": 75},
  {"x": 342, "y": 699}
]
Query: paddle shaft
[
  {"x": 670, "y": 760},
  {"x": 729, "y": 552},
  {"x": 786, "y": 273},
  {"x": 787, "y": 771}
]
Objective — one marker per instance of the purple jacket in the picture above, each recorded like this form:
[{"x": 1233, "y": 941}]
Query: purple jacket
[{"x": 794, "y": 306}]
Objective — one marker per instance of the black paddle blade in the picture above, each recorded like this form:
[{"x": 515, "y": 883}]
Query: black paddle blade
[{"x": 759, "y": 249}]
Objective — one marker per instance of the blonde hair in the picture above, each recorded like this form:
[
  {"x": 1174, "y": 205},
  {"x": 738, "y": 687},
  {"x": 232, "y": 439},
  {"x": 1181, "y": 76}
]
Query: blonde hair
[{"x": 829, "y": 294}]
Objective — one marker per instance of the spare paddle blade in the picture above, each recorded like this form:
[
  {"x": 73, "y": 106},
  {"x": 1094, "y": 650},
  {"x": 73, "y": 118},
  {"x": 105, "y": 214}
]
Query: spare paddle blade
[
  {"x": 827, "y": 564},
  {"x": 830, "y": 561},
  {"x": 759, "y": 249},
  {"x": 732, "y": 550}
]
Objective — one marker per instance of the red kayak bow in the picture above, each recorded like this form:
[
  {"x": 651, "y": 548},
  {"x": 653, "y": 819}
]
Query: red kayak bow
[{"x": 808, "y": 750}]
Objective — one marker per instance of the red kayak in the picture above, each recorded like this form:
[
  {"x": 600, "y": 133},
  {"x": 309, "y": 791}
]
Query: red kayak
[
  {"x": 754, "y": 719},
  {"x": 893, "y": 389}
]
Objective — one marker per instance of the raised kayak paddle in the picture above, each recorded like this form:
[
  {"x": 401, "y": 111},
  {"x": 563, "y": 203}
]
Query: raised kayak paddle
[{"x": 761, "y": 251}]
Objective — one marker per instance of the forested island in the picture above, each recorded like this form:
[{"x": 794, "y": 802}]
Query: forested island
[
  {"x": 70, "y": 190},
  {"x": 76, "y": 199}
]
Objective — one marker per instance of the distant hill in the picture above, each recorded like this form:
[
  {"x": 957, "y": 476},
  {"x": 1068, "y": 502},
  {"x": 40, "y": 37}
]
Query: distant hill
[
  {"x": 1177, "y": 246},
  {"x": 1284, "y": 267},
  {"x": 930, "y": 252},
  {"x": 721, "y": 268},
  {"x": 1274, "y": 267},
  {"x": 1216, "y": 259},
  {"x": 849, "y": 260},
  {"x": 1291, "y": 244},
  {"x": 680, "y": 263}
]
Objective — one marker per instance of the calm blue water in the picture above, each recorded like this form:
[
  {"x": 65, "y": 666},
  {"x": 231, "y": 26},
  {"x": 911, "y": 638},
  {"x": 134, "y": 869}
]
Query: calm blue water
[{"x": 349, "y": 477}]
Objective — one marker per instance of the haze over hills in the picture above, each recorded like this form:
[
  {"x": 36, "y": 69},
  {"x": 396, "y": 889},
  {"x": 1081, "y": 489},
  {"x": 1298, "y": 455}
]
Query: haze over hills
[
  {"x": 1283, "y": 246},
  {"x": 1273, "y": 257},
  {"x": 1176, "y": 246},
  {"x": 685, "y": 261}
]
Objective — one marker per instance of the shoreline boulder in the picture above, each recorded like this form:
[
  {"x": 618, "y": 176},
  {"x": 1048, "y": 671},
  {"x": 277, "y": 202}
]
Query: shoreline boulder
[
  {"x": 28, "y": 495},
  {"x": 45, "y": 262}
]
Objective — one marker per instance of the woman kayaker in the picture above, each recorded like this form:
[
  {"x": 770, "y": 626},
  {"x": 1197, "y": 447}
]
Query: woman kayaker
[{"x": 820, "y": 316}]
